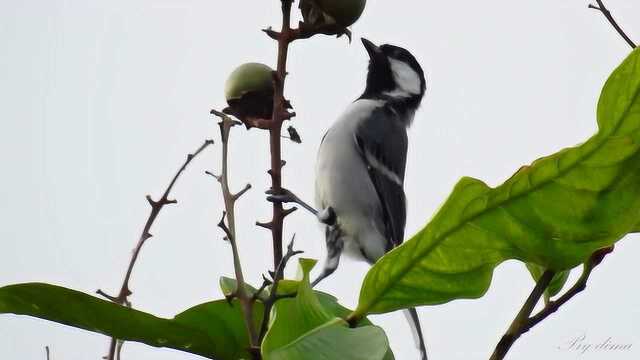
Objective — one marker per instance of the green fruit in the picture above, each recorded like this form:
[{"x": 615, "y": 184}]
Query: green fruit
[
  {"x": 248, "y": 78},
  {"x": 343, "y": 12}
]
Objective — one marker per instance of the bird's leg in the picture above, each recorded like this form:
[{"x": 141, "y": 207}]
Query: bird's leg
[
  {"x": 326, "y": 216},
  {"x": 287, "y": 196},
  {"x": 334, "y": 250}
]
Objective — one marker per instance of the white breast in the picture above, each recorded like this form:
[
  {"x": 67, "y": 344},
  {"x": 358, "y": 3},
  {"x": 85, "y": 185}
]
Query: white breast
[{"x": 342, "y": 182}]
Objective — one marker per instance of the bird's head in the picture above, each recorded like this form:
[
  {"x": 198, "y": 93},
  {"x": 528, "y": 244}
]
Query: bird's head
[{"x": 393, "y": 73}]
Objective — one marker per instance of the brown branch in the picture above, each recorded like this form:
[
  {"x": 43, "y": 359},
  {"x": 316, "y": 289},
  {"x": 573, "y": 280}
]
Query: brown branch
[
  {"x": 229, "y": 228},
  {"x": 284, "y": 38},
  {"x": 581, "y": 284},
  {"x": 156, "y": 206},
  {"x": 524, "y": 321},
  {"x": 603, "y": 9},
  {"x": 119, "y": 349},
  {"x": 278, "y": 117},
  {"x": 305, "y": 31}
]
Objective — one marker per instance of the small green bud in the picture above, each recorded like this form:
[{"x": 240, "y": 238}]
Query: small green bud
[
  {"x": 344, "y": 12},
  {"x": 329, "y": 12},
  {"x": 249, "y": 92}
]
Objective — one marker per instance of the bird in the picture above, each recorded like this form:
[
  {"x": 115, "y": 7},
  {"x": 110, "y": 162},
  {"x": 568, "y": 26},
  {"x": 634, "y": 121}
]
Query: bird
[{"x": 360, "y": 166}]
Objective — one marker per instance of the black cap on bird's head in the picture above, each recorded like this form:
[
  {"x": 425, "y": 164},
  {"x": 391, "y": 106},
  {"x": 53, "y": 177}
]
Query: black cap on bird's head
[{"x": 394, "y": 73}]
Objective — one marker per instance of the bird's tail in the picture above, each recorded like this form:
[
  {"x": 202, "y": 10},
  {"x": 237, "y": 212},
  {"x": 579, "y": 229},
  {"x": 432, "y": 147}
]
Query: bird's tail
[{"x": 414, "y": 322}]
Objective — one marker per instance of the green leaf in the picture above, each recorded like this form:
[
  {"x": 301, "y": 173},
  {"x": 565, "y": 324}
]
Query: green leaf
[
  {"x": 224, "y": 325},
  {"x": 229, "y": 285},
  {"x": 553, "y": 213},
  {"x": 307, "y": 327},
  {"x": 214, "y": 330},
  {"x": 556, "y": 284},
  {"x": 330, "y": 303},
  {"x": 335, "y": 340},
  {"x": 294, "y": 317}
]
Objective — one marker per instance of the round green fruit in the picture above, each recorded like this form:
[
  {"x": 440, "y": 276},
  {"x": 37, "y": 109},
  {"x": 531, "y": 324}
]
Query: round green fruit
[
  {"x": 344, "y": 12},
  {"x": 248, "y": 78}
]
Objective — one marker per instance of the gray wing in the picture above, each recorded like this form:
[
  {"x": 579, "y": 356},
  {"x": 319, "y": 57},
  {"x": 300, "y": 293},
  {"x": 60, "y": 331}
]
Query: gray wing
[{"x": 382, "y": 142}]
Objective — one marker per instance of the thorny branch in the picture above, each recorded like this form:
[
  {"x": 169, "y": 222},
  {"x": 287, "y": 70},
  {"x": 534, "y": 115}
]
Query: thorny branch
[
  {"x": 280, "y": 114},
  {"x": 229, "y": 228},
  {"x": 284, "y": 38},
  {"x": 603, "y": 9},
  {"x": 156, "y": 206},
  {"x": 524, "y": 321}
]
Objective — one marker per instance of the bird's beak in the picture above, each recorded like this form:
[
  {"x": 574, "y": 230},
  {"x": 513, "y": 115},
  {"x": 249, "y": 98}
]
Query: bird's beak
[{"x": 371, "y": 48}]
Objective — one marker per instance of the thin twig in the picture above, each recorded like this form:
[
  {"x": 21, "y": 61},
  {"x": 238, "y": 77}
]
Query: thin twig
[
  {"x": 119, "y": 349},
  {"x": 277, "y": 275},
  {"x": 156, "y": 207},
  {"x": 524, "y": 321},
  {"x": 229, "y": 228},
  {"x": 603, "y": 9},
  {"x": 46, "y": 350}
]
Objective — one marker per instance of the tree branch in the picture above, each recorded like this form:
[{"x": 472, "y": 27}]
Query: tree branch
[
  {"x": 581, "y": 284},
  {"x": 515, "y": 330},
  {"x": 524, "y": 321},
  {"x": 603, "y": 9},
  {"x": 284, "y": 37},
  {"x": 229, "y": 228},
  {"x": 278, "y": 117},
  {"x": 156, "y": 206}
]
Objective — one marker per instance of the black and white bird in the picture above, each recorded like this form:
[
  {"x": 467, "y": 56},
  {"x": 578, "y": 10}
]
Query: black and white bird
[{"x": 361, "y": 165}]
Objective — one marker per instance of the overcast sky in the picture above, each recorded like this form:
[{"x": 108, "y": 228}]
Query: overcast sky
[{"x": 102, "y": 100}]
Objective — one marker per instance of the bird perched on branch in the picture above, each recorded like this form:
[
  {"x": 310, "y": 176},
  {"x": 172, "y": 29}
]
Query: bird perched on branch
[{"x": 361, "y": 165}]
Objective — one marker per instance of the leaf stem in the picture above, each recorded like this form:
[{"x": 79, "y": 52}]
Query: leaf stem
[{"x": 156, "y": 206}]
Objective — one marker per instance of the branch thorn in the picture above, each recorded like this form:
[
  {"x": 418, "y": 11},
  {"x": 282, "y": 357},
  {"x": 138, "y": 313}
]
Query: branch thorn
[
  {"x": 267, "y": 225},
  {"x": 241, "y": 192}
]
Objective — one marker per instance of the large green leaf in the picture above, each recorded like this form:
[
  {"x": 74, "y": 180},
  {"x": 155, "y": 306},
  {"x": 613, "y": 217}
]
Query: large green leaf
[
  {"x": 307, "y": 327},
  {"x": 553, "y": 213},
  {"x": 214, "y": 330}
]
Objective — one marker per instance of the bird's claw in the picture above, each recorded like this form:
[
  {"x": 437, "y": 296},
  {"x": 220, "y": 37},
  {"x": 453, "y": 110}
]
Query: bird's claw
[{"x": 285, "y": 196}]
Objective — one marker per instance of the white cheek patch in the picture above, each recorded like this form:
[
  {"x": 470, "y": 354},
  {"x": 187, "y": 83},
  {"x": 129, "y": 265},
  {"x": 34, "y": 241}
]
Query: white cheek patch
[{"x": 407, "y": 80}]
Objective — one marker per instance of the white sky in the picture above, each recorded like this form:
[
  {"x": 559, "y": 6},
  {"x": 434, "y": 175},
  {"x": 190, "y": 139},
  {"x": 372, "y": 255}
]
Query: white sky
[{"x": 101, "y": 101}]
